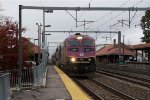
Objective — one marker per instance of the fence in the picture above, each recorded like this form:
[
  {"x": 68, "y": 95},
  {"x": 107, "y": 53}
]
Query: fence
[
  {"x": 38, "y": 73},
  {"x": 29, "y": 77},
  {"x": 4, "y": 86}
]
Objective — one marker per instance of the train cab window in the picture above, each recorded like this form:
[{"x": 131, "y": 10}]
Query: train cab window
[
  {"x": 88, "y": 49},
  {"x": 73, "y": 49},
  {"x": 88, "y": 43},
  {"x": 73, "y": 43}
]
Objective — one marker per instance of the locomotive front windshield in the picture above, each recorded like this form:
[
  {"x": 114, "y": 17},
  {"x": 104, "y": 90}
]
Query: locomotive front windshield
[
  {"x": 88, "y": 43},
  {"x": 73, "y": 43}
]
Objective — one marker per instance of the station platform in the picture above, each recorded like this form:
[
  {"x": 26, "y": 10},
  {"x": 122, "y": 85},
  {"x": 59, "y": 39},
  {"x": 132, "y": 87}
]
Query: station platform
[{"x": 58, "y": 87}]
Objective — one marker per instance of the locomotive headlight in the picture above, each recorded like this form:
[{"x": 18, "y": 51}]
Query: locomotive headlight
[
  {"x": 89, "y": 59},
  {"x": 79, "y": 37},
  {"x": 73, "y": 59}
]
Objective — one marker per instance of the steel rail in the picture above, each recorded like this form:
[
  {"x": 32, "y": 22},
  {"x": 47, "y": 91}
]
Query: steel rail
[
  {"x": 116, "y": 92},
  {"x": 89, "y": 91},
  {"x": 134, "y": 80}
]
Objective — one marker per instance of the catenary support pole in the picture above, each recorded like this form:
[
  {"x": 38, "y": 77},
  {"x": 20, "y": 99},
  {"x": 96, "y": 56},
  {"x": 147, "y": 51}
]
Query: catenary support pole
[{"x": 20, "y": 46}]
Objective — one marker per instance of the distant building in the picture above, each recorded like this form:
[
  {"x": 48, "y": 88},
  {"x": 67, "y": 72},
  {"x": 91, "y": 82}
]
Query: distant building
[
  {"x": 99, "y": 46},
  {"x": 114, "y": 54},
  {"x": 35, "y": 50},
  {"x": 145, "y": 51}
]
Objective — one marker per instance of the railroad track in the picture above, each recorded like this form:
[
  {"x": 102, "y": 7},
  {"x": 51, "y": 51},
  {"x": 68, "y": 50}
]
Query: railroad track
[
  {"x": 100, "y": 91},
  {"x": 88, "y": 90},
  {"x": 132, "y": 75},
  {"x": 131, "y": 79}
]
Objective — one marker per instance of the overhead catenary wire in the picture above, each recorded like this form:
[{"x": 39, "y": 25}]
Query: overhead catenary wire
[
  {"x": 73, "y": 26},
  {"x": 84, "y": 11},
  {"x": 108, "y": 21},
  {"x": 123, "y": 22},
  {"x": 134, "y": 14},
  {"x": 124, "y": 29},
  {"x": 108, "y": 14},
  {"x": 135, "y": 5},
  {"x": 124, "y": 9},
  {"x": 138, "y": 2},
  {"x": 135, "y": 17},
  {"x": 118, "y": 15}
]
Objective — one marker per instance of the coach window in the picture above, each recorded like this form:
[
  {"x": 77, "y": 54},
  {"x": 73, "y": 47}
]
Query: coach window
[
  {"x": 73, "y": 43},
  {"x": 88, "y": 43}
]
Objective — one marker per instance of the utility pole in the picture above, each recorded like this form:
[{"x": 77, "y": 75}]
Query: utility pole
[
  {"x": 20, "y": 47},
  {"x": 43, "y": 33},
  {"x": 44, "y": 60},
  {"x": 34, "y": 45},
  {"x": 119, "y": 44},
  {"x": 39, "y": 42},
  {"x": 123, "y": 49},
  {"x": 43, "y": 42}
]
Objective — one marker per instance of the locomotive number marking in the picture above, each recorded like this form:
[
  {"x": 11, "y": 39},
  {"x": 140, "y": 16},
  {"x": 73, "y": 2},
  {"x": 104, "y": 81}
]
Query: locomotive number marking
[{"x": 81, "y": 54}]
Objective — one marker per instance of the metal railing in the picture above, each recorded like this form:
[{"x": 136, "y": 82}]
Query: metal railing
[
  {"x": 26, "y": 78},
  {"x": 4, "y": 86},
  {"x": 30, "y": 77},
  {"x": 38, "y": 73}
]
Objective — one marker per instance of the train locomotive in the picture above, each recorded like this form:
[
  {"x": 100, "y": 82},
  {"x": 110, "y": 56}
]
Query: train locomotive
[{"x": 76, "y": 54}]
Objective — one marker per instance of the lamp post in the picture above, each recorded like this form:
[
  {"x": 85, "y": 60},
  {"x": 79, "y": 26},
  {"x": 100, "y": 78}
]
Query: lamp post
[
  {"x": 43, "y": 36},
  {"x": 46, "y": 39},
  {"x": 47, "y": 25},
  {"x": 43, "y": 39},
  {"x": 39, "y": 42},
  {"x": 34, "y": 46}
]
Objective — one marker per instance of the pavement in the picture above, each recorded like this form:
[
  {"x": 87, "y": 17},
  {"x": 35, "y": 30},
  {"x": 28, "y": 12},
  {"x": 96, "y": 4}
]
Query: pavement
[{"x": 53, "y": 90}]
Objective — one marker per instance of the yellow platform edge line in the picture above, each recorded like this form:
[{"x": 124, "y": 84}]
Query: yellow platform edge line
[{"x": 75, "y": 92}]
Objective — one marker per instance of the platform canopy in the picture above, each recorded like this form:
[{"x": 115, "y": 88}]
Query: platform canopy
[{"x": 145, "y": 46}]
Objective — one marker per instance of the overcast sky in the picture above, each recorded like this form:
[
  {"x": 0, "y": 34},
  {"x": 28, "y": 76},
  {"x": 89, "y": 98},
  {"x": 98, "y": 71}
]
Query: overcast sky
[{"x": 61, "y": 20}]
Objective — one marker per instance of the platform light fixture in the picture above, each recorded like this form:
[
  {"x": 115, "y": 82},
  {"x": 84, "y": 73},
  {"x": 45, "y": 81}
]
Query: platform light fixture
[{"x": 47, "y": 25}]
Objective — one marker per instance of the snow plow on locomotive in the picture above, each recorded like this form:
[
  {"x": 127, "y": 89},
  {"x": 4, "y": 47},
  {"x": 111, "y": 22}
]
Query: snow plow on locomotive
[{"x": 76, "y": 54}]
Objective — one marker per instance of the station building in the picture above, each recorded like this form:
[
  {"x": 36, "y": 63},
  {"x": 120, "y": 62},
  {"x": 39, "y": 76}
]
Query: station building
[{"x": 111, "y": 53}]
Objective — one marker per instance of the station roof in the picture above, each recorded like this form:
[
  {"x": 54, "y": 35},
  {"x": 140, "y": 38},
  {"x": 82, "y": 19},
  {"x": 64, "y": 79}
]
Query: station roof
[
  {"x": 141, "y": 46},
  {"x": 33, "y": 47},
  {"x": 114, "y": 50}
]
